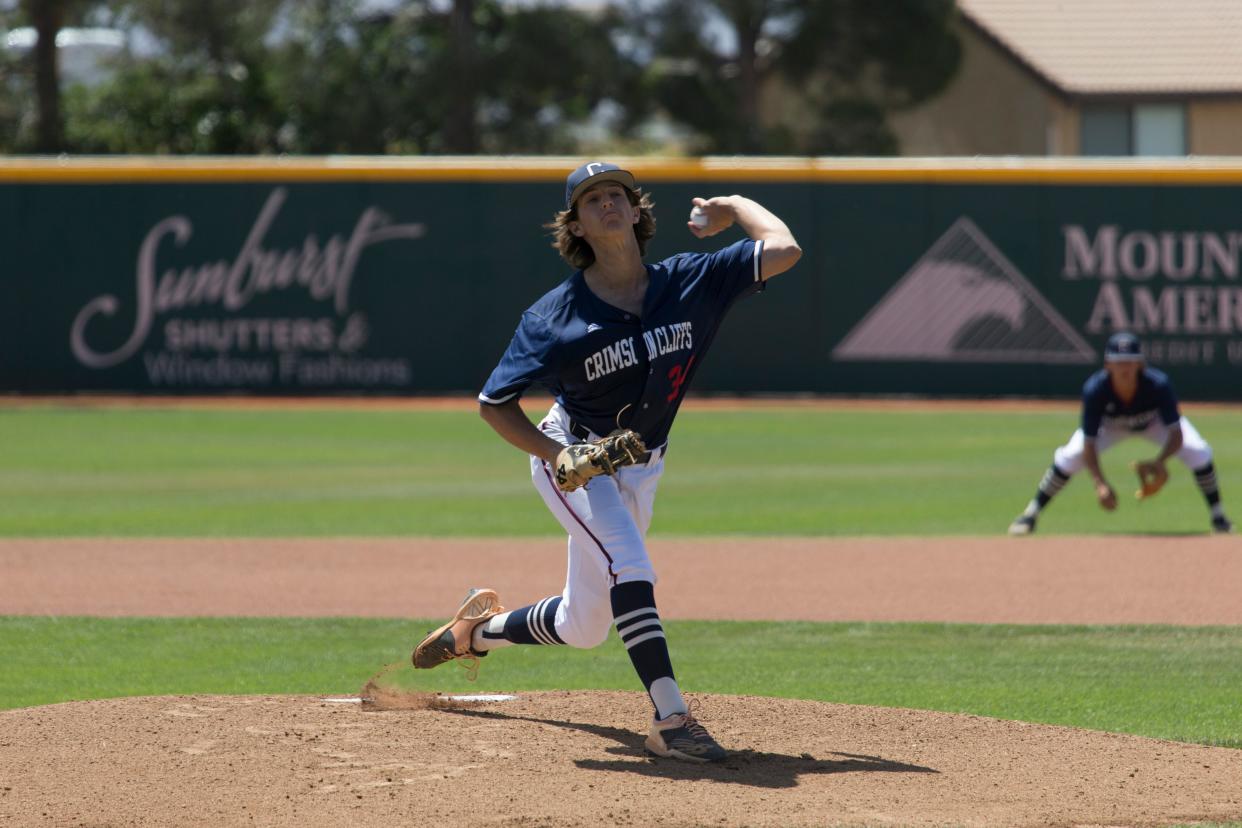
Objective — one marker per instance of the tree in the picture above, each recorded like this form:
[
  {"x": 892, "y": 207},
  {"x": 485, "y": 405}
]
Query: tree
[
  {"x": 460, "y": 135},
  {"x": 354, "y": 84},
  {"x": 845, "y": 64},
  {"x": 324, "y": 77},
  {"x": 207, "y": 91},
  {"x": 11, "y": 87},
  {"x": 48, "y": 18},
  {"x": 858, "y": 61},
  {"x": 425, "y": 80},
  {"x": 547, "y": 69},
  {"x": 695, "y": 82}
]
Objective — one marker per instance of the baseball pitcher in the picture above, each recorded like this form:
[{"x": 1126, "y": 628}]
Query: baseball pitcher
[{"x": 617, "y": 343}]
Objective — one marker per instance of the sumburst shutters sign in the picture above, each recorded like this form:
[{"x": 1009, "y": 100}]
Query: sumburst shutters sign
[
  {"x": 193, "y": 319},
  {"x": 408, "y": 276}
]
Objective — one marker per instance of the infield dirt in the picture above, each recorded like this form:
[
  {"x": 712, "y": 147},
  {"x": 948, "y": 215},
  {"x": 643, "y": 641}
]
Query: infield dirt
[{"x": 576, "y": 759}]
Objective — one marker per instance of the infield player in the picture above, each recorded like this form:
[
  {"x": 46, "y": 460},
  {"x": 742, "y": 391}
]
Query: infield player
[
  {"x": 1128, "y": 399},
  {"x": 617, "y": 344}
]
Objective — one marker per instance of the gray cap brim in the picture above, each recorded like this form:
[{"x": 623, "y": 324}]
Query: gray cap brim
[{"x": 622, "y": 177}]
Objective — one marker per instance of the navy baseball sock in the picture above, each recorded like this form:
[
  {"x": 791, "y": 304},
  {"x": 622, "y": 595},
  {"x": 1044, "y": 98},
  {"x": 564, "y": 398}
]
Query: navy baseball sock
[
  {"x": 534, "y": 624},
  {"x": 1206, "y": 478},
  {"x": 1054, "y": 480},
  {"x": 638, "y": 624}
]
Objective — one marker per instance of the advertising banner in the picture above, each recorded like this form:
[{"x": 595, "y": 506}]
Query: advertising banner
[
  {"x": 332, "y": 282},
  {"x": 1013, "y": 289}
]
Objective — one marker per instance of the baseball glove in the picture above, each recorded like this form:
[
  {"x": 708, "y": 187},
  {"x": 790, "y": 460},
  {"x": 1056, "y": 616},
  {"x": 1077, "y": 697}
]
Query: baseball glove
[
  {"x": 1152, "y": 476},
  {"x": 577, "y": 464}
]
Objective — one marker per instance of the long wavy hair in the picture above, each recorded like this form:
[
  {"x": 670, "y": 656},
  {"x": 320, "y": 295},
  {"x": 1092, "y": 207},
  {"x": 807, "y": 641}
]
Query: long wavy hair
[{"x": 576, "y": 250}]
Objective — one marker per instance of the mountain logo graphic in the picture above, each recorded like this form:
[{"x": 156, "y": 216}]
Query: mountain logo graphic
[{"x": 963, "y": 301}]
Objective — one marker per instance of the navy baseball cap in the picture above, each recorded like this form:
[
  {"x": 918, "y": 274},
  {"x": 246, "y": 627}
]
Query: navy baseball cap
[
  {"x": 1123, "y": 347},
  {"x": 593, "y": 173}
]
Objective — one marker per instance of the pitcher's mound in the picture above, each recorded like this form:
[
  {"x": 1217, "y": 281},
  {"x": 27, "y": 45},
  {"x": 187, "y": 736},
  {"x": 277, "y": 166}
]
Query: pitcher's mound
[{"x": 554, "y": 759}]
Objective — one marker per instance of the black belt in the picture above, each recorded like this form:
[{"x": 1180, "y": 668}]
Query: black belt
[
  {"x": 584, "y": 434},
  {"x": 580, "y": 431}
]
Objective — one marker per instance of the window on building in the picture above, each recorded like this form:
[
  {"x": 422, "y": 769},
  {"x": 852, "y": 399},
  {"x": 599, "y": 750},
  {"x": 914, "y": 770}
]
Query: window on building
[
  {"x": 1160, "y": 129},
  {"x": 1138, "y": 129},
  {"x": 1106, "y": 130}
]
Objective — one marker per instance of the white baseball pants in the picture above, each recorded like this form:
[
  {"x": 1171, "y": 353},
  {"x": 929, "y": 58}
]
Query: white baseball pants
[
  {"x": 607, "y": 521},
  {"x": 1195, "y": 452}
]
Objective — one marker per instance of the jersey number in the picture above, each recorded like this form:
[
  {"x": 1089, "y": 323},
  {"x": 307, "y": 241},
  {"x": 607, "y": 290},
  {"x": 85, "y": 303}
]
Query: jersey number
[{"x": 677, "y": 375}]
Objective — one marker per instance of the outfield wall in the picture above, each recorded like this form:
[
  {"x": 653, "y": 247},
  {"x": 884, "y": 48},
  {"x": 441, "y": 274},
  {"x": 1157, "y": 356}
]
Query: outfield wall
[{"x": 407, "y": 276}]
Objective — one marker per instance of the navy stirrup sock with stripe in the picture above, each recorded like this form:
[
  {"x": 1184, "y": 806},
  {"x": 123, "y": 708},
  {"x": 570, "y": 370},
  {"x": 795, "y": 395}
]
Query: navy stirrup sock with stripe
[
  {"x": 1053, "y": 481},
  {"x": 638, "y": 624},
  {"x": 1206, "y": 480},
  {"x": 534, "y": 624}
]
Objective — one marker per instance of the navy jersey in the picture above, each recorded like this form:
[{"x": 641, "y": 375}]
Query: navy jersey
[
  {"x": 609, "y": 368},
  {"x": 1101, "y": 406}
]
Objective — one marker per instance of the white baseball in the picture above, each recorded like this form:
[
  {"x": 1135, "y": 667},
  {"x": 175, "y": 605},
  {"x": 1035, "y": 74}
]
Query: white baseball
[{"x": 698, "y": 218}]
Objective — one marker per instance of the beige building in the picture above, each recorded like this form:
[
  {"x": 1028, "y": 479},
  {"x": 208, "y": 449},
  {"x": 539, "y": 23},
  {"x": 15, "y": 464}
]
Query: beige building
[{"x": 1088, "y": 77}]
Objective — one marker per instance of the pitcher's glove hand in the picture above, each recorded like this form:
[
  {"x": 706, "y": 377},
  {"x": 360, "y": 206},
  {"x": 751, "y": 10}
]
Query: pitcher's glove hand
[
  {"x": 577, "y": 464},
  {"x": 1152, "y": 476}
]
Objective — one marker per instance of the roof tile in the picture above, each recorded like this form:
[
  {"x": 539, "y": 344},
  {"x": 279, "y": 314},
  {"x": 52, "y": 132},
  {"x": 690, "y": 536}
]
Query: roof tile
[{"x": 1121, "y": 46}]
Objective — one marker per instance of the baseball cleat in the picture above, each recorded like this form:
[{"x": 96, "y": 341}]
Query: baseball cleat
[
  {"x": 452, "y": 640},
  {"x": 1022, "y": 525},
  {"x": 1222, "y": 525},
  {"x": 680, "y": 736}
]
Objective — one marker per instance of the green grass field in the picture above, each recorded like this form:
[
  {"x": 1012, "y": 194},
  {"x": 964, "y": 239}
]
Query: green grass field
[
  {"x": 71, "y": 471},
  {"x": 183, "y": 472},
  {"x": 1167, "y": 682}
]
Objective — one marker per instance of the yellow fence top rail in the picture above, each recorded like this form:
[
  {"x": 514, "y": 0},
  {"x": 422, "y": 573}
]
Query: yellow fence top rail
[{"x": 124, "y": 169}]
